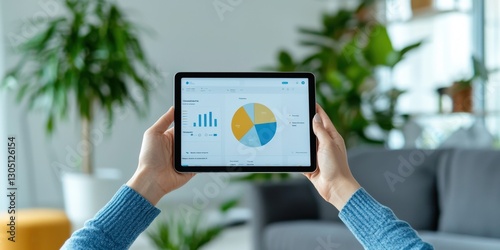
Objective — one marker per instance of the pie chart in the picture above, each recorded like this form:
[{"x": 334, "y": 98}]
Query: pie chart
[{"x": 253, "y": 125}]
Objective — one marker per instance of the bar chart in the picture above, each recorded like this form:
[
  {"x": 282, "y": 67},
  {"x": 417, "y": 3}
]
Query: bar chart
[{"x": 205, "y": 120}]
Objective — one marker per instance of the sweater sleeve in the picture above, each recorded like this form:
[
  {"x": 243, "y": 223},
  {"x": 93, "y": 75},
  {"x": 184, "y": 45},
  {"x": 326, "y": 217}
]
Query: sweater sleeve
[
  {"x": 117, "y": 224},
  {"x": 376, "y": 227}
]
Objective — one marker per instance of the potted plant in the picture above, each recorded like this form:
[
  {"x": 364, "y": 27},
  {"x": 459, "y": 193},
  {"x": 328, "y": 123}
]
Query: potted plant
[
  {"x": 461, "y": 90},
  {"x": 177, "y": 233},
  {"x": 461, "y": 95},
  {"x": 90, "y": 59},
  {"x": 344, "y": 56}
]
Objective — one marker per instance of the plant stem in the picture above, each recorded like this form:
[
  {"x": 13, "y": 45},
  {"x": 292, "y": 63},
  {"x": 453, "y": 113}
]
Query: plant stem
[{"x": 87, "y": 148}]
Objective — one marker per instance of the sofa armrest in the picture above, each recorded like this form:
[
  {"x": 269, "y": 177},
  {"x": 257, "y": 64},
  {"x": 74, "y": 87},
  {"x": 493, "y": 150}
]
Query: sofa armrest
[{"x": 281, "y": 201}]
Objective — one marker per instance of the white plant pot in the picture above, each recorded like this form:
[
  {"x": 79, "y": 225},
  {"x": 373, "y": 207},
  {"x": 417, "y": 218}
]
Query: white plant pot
[{"x": 85, "y": 195}]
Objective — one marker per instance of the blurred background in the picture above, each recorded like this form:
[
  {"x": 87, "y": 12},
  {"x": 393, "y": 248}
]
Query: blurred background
[{"x": 393, "y": 74}]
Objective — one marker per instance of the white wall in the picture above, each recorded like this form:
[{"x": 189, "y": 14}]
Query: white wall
[{"x": 190, "y": 36}]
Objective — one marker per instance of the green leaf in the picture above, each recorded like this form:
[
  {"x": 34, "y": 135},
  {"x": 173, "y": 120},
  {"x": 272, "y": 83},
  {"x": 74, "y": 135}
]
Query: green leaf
[
  {"x": 50, "y": 124},
  {"x": 397, "y": 56},
  {"x": 285, "y": 59},
  {"x": 226, "y": 206},
  {"x": 349, "y": 54},
  {"x": 379, "y": 46},
  {"x": 312, "y": 32},
  {"x": 480, "y": 69},
  {"x": 410, "y": 48}
]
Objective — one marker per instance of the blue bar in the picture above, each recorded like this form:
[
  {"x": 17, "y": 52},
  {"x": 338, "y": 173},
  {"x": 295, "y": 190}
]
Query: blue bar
[
  {"x": 204, "y": 120},
  {"x": 210, "y": 118},
  {"x": 199, "y": 120},
  {"x": 194, "y": 124},
  {"x": 215, "y": 122}
]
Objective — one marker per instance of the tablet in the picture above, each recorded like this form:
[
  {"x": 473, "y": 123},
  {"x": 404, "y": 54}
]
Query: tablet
[{"x": 244, "y": 122}]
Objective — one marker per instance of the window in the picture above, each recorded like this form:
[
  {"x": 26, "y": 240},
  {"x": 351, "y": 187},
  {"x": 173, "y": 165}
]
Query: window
[
  {"x": 444, "y": 58},
  {"x": 447, "y": 27},
  {"x": 492, "y": 59}
]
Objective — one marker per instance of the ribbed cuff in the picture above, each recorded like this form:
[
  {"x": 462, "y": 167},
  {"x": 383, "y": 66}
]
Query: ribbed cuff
[
  {"x": 364, "y": 216},
  {"x": 126, "y": 215}
]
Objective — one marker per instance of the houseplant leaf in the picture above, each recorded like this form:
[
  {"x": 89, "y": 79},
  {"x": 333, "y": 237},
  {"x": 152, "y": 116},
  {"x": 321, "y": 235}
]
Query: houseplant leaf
[{"x": 379, "y": 47}]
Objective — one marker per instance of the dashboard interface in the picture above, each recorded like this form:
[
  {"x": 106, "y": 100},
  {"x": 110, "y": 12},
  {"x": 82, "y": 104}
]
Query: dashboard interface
[{"x": 244, "y": 121}]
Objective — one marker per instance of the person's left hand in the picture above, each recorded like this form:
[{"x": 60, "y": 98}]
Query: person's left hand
[{"x": 155, "y": 176}]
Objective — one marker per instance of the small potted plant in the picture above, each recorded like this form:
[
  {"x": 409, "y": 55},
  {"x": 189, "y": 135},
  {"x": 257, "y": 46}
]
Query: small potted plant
[
  {"x": 461, "y": 95},
  {"x": 461, "y": 90},
  {"x": 90, "y": 59}
]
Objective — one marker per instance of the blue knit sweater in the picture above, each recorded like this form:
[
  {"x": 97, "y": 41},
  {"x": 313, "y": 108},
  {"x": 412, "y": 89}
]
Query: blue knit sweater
[
  {"x": 376, "y": 226},
  {"x": 117, "y": 224},
  {"x": 121, "y": 221}
]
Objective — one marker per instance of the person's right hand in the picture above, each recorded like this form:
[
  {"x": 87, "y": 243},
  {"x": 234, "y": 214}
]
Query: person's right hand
[
  {"x": 332, "y": 178},
  {"x": 155, "y": 175}
]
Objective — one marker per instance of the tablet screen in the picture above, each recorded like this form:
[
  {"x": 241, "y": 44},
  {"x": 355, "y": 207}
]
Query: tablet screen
[{"x": 249, "y": 121}]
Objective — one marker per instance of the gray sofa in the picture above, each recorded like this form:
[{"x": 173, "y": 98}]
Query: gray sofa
[{"x": 451, "y": 197}]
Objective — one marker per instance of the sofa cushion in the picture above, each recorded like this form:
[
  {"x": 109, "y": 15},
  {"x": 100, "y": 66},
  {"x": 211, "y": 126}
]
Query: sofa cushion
[
  {"x": 447, "y": 241},
  {"x": 403, "y": 180},
  {"x": 326, "y": 210},
  {"x": 469, "y": 190},
  {"x": 311, "y": 235},
  {"x": 289, "y": 200}
]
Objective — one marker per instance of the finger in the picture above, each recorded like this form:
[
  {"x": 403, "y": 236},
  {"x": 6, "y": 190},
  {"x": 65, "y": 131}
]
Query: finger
[
  {"x": 164, "y": 122},
  {"x": 323, "y": 127},
  {"x": 327, "y": 123},
  {"x": 320, "y": 130}
]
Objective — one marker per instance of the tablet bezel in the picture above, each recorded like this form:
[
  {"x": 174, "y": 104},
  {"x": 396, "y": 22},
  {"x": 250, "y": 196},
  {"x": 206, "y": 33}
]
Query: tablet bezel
[{"x": 257, "y": 169}]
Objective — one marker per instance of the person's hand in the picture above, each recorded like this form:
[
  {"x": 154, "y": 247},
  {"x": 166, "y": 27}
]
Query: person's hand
[
  {"x": 155, "y": 176},
  {"x": 332, "y": 177}
]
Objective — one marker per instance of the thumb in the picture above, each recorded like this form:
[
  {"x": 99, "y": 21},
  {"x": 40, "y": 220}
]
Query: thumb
[
  {"x": 319, "y": 129},
  {"x": 164, "y": 122}
]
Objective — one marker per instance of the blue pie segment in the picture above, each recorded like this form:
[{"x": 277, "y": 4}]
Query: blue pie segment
[
  {"x": 249, "y": 109},
  {"x": 266, "y": 132},
  {"x": 251, "y": 138}
]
